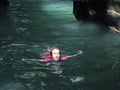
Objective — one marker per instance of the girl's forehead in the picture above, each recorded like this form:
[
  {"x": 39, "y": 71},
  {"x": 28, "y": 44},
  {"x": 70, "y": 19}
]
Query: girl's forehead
[{"x": 55, "y": 50}]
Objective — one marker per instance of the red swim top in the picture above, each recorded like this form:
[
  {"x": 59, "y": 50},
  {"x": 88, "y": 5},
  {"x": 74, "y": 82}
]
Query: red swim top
[
  {"x": 46, "y": 55},
  {"x": 63, "y": 58}
]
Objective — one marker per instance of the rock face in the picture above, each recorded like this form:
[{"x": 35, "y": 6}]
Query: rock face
[
  {"x": 96, "y": 10},
  {"x": 4, "y": 2},
  {"x": 89, "y": 9},
  {"x": 113, "y": 13},
  {"x": 115, "y": 5}
]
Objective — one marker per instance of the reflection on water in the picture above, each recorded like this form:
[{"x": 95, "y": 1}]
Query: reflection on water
[
  {"x": 76, "y": 79},
  {"x": 55, "y": 67},
  {"x": 33, "y": 26}
]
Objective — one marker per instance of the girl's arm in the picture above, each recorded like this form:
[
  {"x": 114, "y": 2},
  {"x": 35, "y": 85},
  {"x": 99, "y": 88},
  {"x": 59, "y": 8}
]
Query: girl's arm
[
  {"x": 63, "y": 58},
  {"x": 25, "y": 59},
  {"x": 78, "y": 53},
  {"x": 42, "y": 60}
]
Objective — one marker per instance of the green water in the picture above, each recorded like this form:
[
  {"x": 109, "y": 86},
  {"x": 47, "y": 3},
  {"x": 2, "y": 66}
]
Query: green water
[{"x": 29, "y": 27}]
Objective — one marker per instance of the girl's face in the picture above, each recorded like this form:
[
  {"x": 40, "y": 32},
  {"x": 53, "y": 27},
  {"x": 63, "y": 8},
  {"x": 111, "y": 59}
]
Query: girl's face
[{"x": 56, "y": 54}]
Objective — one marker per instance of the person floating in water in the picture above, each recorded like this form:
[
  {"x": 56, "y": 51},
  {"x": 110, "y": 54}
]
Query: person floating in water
[{"x": 55, "y": 55}]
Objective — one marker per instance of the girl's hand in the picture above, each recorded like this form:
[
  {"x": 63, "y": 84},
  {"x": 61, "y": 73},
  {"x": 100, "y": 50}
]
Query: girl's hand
[{"x": 80, "y": 52}]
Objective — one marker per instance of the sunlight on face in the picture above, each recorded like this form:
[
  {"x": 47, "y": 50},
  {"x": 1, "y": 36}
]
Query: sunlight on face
[{"x": 56, "y": 54}]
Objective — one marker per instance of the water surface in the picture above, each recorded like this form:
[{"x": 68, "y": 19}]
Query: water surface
[{"x": 30, "y": 27}]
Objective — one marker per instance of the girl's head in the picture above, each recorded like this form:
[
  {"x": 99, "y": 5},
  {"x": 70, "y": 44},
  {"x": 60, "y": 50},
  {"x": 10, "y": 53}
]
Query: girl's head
[{"x": 56, "y": 54}]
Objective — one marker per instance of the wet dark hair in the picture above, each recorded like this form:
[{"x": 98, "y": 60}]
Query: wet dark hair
[{"x": 54, "y": 49}]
